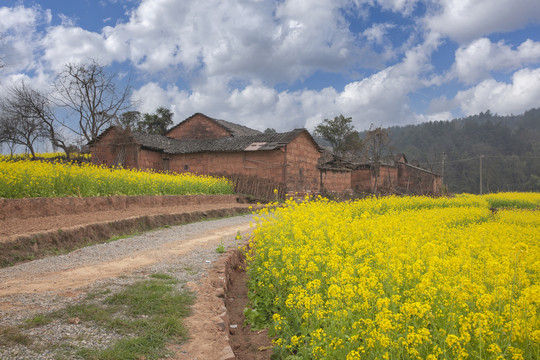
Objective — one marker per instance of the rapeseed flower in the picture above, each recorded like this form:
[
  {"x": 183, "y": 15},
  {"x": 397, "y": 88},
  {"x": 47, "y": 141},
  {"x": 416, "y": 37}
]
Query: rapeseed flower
[{"x": 400, "y": 277}]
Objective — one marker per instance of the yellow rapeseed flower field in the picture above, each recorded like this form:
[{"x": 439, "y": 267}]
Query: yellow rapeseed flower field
[
  {"x": 25, "y": 178},
  {"x": 399, "y": 277},
  {"x": 43, "y": 156}
]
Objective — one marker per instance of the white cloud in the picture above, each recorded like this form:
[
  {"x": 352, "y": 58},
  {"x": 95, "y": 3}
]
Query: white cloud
[
  {"x": 73, "y": 45},
  {"x": 465, "y": 20},
  {"x": 67, "y": 21},
  {"x": 403, "y": 6},
  {"x": 380, "y": 99},
  {"x": 475, "y": 61},
  {"x": 440, "y": 116},
  {"x": 378, "y": 32},
  {"x": 18, "y": 36},
  {"x": 523, "y": 93},
  {"x": 275, "y": 42}
]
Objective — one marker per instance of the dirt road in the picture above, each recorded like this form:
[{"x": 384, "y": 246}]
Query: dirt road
[
  {"x": 73, "y": 275},
  {"x": 187, "y": 252}
]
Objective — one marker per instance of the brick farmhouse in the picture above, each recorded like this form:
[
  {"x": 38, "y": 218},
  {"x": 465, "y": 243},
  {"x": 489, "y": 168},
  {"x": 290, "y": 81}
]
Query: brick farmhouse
[{"x": 290, "y": 161}]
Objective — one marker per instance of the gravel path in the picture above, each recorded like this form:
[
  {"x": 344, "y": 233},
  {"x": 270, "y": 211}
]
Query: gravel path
[{"x": 184, "y": 252}]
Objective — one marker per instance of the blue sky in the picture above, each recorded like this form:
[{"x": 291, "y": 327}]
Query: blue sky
[{"x": 289, "y": 63}]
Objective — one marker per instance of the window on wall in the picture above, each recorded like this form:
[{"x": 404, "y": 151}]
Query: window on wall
[
  {"x": 186, "y": 167},
  {"x": 301, "y": 172}
]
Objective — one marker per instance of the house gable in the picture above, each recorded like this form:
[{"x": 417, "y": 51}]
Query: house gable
[
  {"x": 198, "y": 127},
  {"x": 202, "y": 127}
]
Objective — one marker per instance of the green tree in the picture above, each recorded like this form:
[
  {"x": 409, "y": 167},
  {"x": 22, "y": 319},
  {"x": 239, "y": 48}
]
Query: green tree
[
  {"x": 340, "y": 133},
  {"x": 157, "y": 123},
  {"x": 131, "y": 119}
]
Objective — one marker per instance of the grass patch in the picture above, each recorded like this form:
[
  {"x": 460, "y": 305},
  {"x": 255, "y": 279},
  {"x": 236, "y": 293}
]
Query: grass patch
[
  {"x": 162, "y": 276},
  {"x": 13, "y": 335},
  {"x": 148, "y": 313},
  {"x": 221, "y": 248},
  {"x": 38, "y": 320}
]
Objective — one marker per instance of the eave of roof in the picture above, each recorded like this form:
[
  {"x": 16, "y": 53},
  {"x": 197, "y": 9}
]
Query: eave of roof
[{"x": 226, "y": 144}]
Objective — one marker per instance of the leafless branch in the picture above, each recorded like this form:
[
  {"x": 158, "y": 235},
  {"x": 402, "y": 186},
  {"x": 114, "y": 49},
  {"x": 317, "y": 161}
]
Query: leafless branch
[{"x": 92, "y": 95}]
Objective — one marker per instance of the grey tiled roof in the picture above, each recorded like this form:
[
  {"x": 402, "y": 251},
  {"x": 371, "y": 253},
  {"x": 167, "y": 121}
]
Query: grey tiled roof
[
  {"x": 237, "y": 130},
  {"x": 226, "y": 144}
]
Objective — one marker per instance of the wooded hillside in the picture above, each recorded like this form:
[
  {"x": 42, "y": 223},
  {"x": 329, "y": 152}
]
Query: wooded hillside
[{"x": 509, "y": 147}]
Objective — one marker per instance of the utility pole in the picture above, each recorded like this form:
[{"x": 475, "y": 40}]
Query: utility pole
[{"x": 481, "y": 156}]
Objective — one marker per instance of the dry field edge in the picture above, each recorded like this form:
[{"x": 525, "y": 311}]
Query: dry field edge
[{"x": 173, "y": 210}]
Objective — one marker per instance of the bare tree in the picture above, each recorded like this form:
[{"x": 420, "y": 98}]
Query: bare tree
[
  {"x": 93, "y": 97},
  {"x": 40, "y": 106},
  {"x": 18, "y": 124}
]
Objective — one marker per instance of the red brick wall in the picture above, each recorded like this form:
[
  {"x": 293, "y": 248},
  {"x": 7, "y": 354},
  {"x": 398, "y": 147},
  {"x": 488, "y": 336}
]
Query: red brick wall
[
  {"x": 150, "y": 160},
  {"x": 388, "y": 177},
  {"x": 336, "y": 181},
  {"x": 262, "y": 164},
  {"x": 106, "y": 150},
  {"x": 417, "y": 181},
  {"x": 198, "y": 127},
  {"x": 302, "y": 174},
  {"x": 361, "y": 180}
]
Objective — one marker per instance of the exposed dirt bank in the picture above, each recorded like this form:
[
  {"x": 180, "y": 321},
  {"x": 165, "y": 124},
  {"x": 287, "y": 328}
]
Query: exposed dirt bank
[
  {"x": 216, "y": 325},
  {"x": 45, "y": 207},
  {"x": 65, "y": 228}
]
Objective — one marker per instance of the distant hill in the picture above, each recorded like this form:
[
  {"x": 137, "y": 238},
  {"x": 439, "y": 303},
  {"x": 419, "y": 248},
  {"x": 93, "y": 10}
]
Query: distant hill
[{"x": 510, "y": 146}]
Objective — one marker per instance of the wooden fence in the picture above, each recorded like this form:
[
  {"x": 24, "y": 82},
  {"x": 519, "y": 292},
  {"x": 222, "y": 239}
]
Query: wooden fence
[{"x": 263, "y": 189}]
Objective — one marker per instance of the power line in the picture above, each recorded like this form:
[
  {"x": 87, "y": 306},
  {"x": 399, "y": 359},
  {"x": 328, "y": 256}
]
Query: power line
[{"x": 485, "y": 156}]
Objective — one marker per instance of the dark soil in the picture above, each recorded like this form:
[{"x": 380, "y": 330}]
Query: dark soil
[{"x": 246, "y": 344}]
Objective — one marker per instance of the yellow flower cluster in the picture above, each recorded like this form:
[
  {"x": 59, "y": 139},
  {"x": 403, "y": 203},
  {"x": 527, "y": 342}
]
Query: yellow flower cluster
[
  {"x": 25, "y": 178},
  {"x": 400, "y": 277},
  {"x": 60, "y": 155}
]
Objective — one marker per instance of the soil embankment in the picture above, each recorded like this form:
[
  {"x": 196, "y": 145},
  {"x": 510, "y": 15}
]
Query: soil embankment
[{"x": 34, "y": 228}]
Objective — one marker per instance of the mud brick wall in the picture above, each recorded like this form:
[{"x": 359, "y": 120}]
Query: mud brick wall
[
  {"x": 361, "y": 180},
  {"x": 150, "y": 160},
  {"x": 262, "y": 164},
  {"x": 302, "y": 174},
  {"x": 417, "y": 181},
  {"x": 106, "y": 151},
  {"x": 198, "y": 127},
  {"x": 388, "y": 176},
  {"x": 336, "y": 181}
]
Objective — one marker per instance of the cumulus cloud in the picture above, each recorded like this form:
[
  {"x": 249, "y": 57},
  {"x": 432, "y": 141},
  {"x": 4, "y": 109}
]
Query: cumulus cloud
[
  {"x": 405, "y": 7},
  {"x": 377, "y": 32},
  {"x": 73, "y": 45},
  {"x": 273, "y": 41},
  {"x": 18, "y": 35},
  {"x": 475, "y": 61},
  {"x": 380, "y": 99},
  {"x": 465, "y": 20},
  {"x": 523, "y": 93}
]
